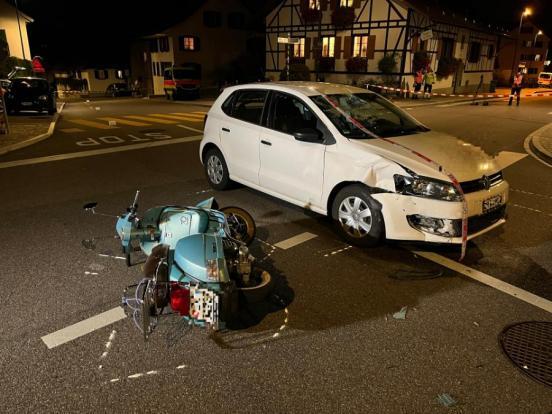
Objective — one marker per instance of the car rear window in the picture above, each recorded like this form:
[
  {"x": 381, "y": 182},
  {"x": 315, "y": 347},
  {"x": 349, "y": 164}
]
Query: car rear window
[
  {"x": 24, "y": 84},
  {"x": 545, "y": 76},
  {"x": 248, "y": 105}
]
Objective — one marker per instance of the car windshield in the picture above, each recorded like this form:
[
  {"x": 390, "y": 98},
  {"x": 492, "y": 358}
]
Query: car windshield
[
  {"x": 544, "y": 76},
  {"x": 376, "y": 114}
]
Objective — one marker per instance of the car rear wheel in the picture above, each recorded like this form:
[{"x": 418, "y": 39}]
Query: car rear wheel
[
  {"x": 357, "y": 216},
  {"x": 216, "y": 170}
]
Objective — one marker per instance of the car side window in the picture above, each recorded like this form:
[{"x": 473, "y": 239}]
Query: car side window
[
  {"x": 248, "y": 105},
  {"x": 291, "y": 114}
]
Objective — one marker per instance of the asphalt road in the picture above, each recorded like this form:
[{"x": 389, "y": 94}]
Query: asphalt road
[{"x": 334, "y": 347}]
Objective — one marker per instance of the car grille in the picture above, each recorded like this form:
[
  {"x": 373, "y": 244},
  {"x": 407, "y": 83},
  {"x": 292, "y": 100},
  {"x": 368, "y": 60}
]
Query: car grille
[
  {"x": 481, "y": 183},
  {"x": 478, "y": 223}
]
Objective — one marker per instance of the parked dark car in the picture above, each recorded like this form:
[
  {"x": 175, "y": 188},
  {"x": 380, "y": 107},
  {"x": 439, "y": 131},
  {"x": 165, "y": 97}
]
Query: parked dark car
[
  {"x": 118, "y": 89},
  {"x": 30, "y": 94}
]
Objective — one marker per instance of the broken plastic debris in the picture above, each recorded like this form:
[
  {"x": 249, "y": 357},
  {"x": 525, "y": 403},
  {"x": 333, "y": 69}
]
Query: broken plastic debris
[
  {"x": 112, "y": 123},
  {"x": 446, "y": 400},
  {"x": 401, "y": 314}
]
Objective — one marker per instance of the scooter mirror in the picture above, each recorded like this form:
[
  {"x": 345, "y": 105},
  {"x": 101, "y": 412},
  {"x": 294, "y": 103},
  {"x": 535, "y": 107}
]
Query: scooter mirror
[{"x": 90, "y": 206}]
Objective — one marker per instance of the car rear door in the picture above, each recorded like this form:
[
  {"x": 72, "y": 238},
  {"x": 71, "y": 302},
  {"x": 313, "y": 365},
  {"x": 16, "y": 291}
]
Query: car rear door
[
  {"x": 240, "y": 135},
  {"x": 292, "y": 168}
]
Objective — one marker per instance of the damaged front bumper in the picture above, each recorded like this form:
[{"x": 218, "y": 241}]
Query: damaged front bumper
[{"x": 436, "y": 221}]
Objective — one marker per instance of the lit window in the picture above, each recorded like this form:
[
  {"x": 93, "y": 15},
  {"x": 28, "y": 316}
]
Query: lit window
[
  {"x": 299, "y": 49},
  {"x": 360, "y": 46},
  {"x": 314, "y": 4},
  {"x": 537, "y": 58},
  {"x": 328, "y": 46},
  {"x": 188, "y": 43},
  {"x": 345, "y": 3}
]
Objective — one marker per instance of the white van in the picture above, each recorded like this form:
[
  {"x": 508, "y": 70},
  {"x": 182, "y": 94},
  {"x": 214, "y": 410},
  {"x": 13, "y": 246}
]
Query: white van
[{"x": 545, "y": 79}]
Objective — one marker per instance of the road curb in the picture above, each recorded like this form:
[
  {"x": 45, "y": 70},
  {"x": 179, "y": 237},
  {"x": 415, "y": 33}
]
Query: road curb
[
  {"x": 534, "y": 143},
  {"x": 36, "y": 139}
]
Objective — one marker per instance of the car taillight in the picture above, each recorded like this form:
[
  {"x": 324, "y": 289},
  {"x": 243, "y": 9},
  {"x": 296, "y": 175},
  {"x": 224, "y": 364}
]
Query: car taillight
[{"x": 180, "y": 299}]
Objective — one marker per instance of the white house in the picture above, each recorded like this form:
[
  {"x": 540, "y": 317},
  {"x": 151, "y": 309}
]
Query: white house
[
  {"x": 344, "y": 40},
  {"x": 97, "y": 80},
  {"x": 13, "y": 32}
]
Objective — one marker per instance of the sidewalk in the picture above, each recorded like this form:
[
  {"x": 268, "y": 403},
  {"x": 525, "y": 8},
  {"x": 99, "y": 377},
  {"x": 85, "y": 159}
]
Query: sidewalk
[
  {"x": 540, "y": 143},
  {"x": 28, "y": 129}
]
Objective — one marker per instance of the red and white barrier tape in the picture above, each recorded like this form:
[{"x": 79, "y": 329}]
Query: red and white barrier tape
[
  {"x": 452, "y": 95},
  {"x": 433, "y": 163}
]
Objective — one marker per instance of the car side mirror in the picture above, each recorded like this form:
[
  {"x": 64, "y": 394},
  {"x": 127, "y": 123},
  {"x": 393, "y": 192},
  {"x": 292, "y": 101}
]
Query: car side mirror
[{"x": 308, "y": 135}]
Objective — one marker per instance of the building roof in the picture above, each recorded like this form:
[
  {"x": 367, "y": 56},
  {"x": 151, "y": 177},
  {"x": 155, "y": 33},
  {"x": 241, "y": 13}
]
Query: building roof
[{"x": 24, "y": 16}]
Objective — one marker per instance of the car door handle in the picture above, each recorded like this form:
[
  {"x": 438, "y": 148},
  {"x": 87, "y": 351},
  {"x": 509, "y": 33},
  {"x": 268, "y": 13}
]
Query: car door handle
[
  {"x": 266, "y": 142},
  {"x": 225, "y": 129}
]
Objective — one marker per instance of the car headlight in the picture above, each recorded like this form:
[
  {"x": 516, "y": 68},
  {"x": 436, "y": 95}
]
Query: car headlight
[
  {"x": 426, "y": 187},
  {"x": 43, "y": 98}
]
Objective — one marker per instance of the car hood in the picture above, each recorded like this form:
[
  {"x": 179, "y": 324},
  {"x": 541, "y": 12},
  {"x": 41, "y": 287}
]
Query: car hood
[{"x": 464, "y": 160}]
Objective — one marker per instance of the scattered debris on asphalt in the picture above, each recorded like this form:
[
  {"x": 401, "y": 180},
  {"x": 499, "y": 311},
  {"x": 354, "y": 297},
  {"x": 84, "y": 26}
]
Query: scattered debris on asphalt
[
  {"x": 446, "y": 400},
  {"x": 89, "y": 244},
  {"x": 476, "y": 324},
  {"x": 401, "y": 315}
]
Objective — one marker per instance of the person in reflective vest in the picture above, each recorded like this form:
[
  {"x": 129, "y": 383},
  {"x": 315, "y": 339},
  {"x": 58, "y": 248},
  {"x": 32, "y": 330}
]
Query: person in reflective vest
[
  {"x": 516, "y": 88},
  {"x": 418, "y": 80},
  {"x": 429, "y": 80}
]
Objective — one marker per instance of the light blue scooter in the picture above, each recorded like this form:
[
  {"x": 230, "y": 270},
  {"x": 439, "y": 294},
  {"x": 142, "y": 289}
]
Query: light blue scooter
[{"x": 197, "y": 262}]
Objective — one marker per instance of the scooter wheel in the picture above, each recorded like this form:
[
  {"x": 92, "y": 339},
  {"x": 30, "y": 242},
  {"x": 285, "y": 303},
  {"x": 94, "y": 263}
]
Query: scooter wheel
[
  {"x": 241, "y": 224},
  {"x": 259, "y": 292}
]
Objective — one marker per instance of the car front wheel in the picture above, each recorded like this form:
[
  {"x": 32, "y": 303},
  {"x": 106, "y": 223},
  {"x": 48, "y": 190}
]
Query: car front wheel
[
  {"x": 357, "y": 216},
  {"x": 216, "y": 170}
]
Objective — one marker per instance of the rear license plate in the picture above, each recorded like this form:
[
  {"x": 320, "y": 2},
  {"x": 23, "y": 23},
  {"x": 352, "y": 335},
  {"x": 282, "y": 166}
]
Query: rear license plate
[
  {"x": 26, "y": 103},
  {"x": 492, "y": 203}
]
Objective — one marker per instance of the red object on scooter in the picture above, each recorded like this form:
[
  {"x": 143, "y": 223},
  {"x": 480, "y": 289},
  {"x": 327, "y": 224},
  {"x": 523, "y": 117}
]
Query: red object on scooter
[{"x": 180, "y": 299}]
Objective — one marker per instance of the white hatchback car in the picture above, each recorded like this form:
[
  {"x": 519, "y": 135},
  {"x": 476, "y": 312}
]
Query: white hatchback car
[{"x": 286, "y": 139}]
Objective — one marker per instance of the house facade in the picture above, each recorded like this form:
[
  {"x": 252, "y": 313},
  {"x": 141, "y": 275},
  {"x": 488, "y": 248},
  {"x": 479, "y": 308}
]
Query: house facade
[
  {"x": 526, "y": 50},
  {"x": 13, "y": 32},
  {"x": 344, "y": 41},
  {"x": 212, "y": 36}
]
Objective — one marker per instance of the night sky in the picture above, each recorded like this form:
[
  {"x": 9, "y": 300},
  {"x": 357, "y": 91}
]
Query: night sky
[{"x": 69, "y": 32}]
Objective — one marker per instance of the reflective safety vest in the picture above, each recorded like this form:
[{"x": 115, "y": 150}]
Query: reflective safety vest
[{"x": 517, "y": 80}]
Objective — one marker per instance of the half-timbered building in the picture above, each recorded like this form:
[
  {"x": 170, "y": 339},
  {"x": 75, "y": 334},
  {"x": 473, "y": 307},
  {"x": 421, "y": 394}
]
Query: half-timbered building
[{"x": 344, "y": 41}]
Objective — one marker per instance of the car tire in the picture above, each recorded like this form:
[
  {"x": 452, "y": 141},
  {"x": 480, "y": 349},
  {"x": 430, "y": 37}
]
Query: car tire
[
  {"x": 357, "y": 216},
  {"x": 216, "y": 170}
]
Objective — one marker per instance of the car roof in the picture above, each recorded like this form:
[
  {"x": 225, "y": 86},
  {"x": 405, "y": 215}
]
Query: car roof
[{"x": 304, "y": 88}]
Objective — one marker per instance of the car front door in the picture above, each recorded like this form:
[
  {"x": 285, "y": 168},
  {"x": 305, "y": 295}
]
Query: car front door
[
  {"x": 289, "y": 167},
  {"x": 240, "y": 135}
]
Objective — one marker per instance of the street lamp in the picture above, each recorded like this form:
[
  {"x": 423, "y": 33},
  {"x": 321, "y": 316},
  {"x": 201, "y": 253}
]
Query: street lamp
[
  {"x": 539, "y": 33},
  {"x": 526, "y": 12}
]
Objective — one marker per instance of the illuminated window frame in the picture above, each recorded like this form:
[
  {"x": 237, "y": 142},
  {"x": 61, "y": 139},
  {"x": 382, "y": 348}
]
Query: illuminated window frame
[
  {"x": 360, "y": 46},
  {"x": 328, "y": 46}
]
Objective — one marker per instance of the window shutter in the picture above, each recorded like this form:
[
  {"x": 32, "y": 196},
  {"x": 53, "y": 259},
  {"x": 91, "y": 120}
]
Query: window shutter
[
  {"x": 317, "y": 47},
  {"x": 333, "y": 4},
  {"x": 180, "y": 42},
  {"x": 197, "y": 44},
  {"x": 347, "y": 47},
  {"x": 439, "y": 48},
  {"x": 415, "y": 43},
  {"x": 337, "y": 47},
  {"x": 356, "y": 4},
  {"x": 307, "y": 48},
  {"x": 371, "y": 47},
  {"x": 324, "y": 4}
]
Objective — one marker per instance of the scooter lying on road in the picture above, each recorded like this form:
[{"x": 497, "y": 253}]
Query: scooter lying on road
[{"x": 198, "y": 263}]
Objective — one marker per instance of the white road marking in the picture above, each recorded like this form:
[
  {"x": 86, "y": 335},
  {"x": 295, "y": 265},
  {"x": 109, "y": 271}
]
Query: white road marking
[
  {"x": 113, "y": 257},
  {"x": 488, "y": 280},
  {"x": 190, "y": 128},
  {"x": 507, "y": 158},
  {"x": 83, "y": 327},
  {"x": 534, "y": 210},
  {"x": 295, "y": 240},
  {"x": 549, "y": 113},
  {"x": 91, "y": 153},
  {"x": 530, "y": 193}
]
